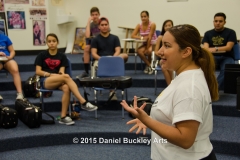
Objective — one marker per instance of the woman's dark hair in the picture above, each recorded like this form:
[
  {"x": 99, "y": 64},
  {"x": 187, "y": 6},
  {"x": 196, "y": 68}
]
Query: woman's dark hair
[
  {"x": 52, "y": 35},
  {"x": 188, "y": 36},
  {"x": 164, "y": 23},
  {"x": 144, "y": 12}
]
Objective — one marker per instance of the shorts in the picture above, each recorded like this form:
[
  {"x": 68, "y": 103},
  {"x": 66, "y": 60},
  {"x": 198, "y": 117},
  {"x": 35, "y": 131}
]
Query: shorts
[
  {"x": 4, "y": 62},
  {"x": 1, "y": 62},
  {"x": 88, "y": 41},
  {"x": 211, "y": 156},
  {"x": 42, "y": 82}
]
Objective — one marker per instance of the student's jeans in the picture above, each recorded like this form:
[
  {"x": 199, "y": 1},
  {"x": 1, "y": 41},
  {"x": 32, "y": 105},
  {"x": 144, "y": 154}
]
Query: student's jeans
[{"x": 221, "y": 61}]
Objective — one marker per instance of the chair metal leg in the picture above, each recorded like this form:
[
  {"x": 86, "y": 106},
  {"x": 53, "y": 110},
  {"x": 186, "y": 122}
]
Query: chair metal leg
[
  {"x": 126, "y": 93},
  {"x": 41, "y": 101},
  {"x": 122, "y": 107},
  {"x": 69, "y": 107},
  {"x": 95, "y": 98},
  {"x": 96, "y": 114},
  {"x": 155, "y": 82},
  {"x": 135, "y": 54}
]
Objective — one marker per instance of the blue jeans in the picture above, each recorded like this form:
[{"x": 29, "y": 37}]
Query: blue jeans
[{"x": 221, "y": 61}]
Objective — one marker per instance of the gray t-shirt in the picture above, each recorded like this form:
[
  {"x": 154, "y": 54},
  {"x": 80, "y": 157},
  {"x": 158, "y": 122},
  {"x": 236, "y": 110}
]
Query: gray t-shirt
[{"x": 94, "y": 29}]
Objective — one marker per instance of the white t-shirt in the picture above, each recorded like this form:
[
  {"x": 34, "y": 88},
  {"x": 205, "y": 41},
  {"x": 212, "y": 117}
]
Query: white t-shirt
[{"x": 186, "y": 98}]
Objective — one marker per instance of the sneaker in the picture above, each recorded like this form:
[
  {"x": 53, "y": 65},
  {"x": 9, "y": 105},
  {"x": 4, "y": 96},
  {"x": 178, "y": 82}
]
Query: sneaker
[
  {"x": 20, "y": 96},
  {"x": 84, "y": 74},
  {"x": 150, "y": 70},
  {"x": 146, "y": 69},
  {"x": 89, "y": 107},
  {"x": 1, "y": 98},
  {"x": 67, "y": 120},
  {"x": 114, "y": 98}
]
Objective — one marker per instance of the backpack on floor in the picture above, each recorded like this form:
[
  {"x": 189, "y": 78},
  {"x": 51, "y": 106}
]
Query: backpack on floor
[
  {"x": 140, "y": 101},
  {"x": 30, "y": 90}
]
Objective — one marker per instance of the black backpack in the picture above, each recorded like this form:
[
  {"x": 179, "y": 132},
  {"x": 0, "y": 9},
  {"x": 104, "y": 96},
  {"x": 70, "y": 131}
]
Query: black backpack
[
  {"x": 140, "y": 101},
  {"x": 30, "y": 90}
]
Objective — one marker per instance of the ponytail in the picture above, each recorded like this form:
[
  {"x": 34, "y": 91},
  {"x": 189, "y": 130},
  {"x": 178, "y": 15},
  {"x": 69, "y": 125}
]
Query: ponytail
[
  {"x": 207, "y": 64},
  {"x": 188, "y": 36}
]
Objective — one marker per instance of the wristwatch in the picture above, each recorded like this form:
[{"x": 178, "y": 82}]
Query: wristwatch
[{"x": 216, "y": 49}]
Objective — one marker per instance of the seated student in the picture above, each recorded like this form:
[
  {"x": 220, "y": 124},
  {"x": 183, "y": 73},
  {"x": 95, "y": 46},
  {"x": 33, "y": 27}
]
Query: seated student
[
  {"x": 106, "y": 44},
  {"x": 220, "y": 39},
  {"x": 145, "y": 31},
  {"x": 166, "y": 25},
  {"x": 7, "y": 50},
  {"x": 91, "y": 30},
  {"x": 50, "y": 65}
]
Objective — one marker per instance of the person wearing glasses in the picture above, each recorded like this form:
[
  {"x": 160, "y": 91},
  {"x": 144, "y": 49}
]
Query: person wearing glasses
[
  {"x": 181, "y": 118},
  {"x": 220, "y": 41}
]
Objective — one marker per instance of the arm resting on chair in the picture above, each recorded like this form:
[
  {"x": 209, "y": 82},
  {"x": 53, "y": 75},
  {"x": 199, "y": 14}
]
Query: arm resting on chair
[
  {"x": 94, "y": 54},
  {"x": 117, "y": 51}
]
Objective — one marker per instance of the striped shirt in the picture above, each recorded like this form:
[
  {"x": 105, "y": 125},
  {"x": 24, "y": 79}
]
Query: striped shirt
[{"x": 147, "y": 31}]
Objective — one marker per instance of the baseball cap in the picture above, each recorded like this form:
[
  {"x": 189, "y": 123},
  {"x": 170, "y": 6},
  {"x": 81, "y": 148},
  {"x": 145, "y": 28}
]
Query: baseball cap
[{"x": 103, "y": 19}]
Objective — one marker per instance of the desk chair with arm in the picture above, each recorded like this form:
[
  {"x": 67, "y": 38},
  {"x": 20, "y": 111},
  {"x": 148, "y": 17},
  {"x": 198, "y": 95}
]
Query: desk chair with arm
[{"x": 110, "y": 67}]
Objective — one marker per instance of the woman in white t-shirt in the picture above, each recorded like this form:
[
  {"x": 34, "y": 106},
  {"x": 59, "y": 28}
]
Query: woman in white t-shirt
[{"x": 181, "y": 118}]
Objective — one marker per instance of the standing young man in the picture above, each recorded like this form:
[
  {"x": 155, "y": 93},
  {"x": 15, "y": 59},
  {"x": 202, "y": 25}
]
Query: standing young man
[
  {"x": 92, "y": 30},
  {"x": 106, "y": 44},
  {"x": 220, "y": 42}
]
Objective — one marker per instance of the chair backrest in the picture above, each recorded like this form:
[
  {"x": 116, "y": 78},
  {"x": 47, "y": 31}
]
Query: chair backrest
[
  {"x": 158, "y": 32},
  {"x": 110, "y": 67},
  {"x": 68, "y": 69},
  {"x": 236, "y": 50}
]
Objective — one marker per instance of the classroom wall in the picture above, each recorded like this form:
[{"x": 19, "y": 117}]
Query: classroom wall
[
  {"x": 23, "y": 38},
  {"x": 127, "y": 13}
]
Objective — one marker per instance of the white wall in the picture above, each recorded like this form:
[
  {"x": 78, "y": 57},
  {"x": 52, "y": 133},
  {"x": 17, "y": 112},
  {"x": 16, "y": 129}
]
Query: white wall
[
  {"x": 127, "y": 13},
  {"x": 23, "y": 39}
]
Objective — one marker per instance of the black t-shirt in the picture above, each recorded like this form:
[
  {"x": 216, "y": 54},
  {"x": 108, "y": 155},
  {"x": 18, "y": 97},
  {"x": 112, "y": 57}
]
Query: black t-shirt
[
  {"x": 218, "y": 39},
  {"x": 50, "y": 63},
  {"x": 105, "y": 45}
]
